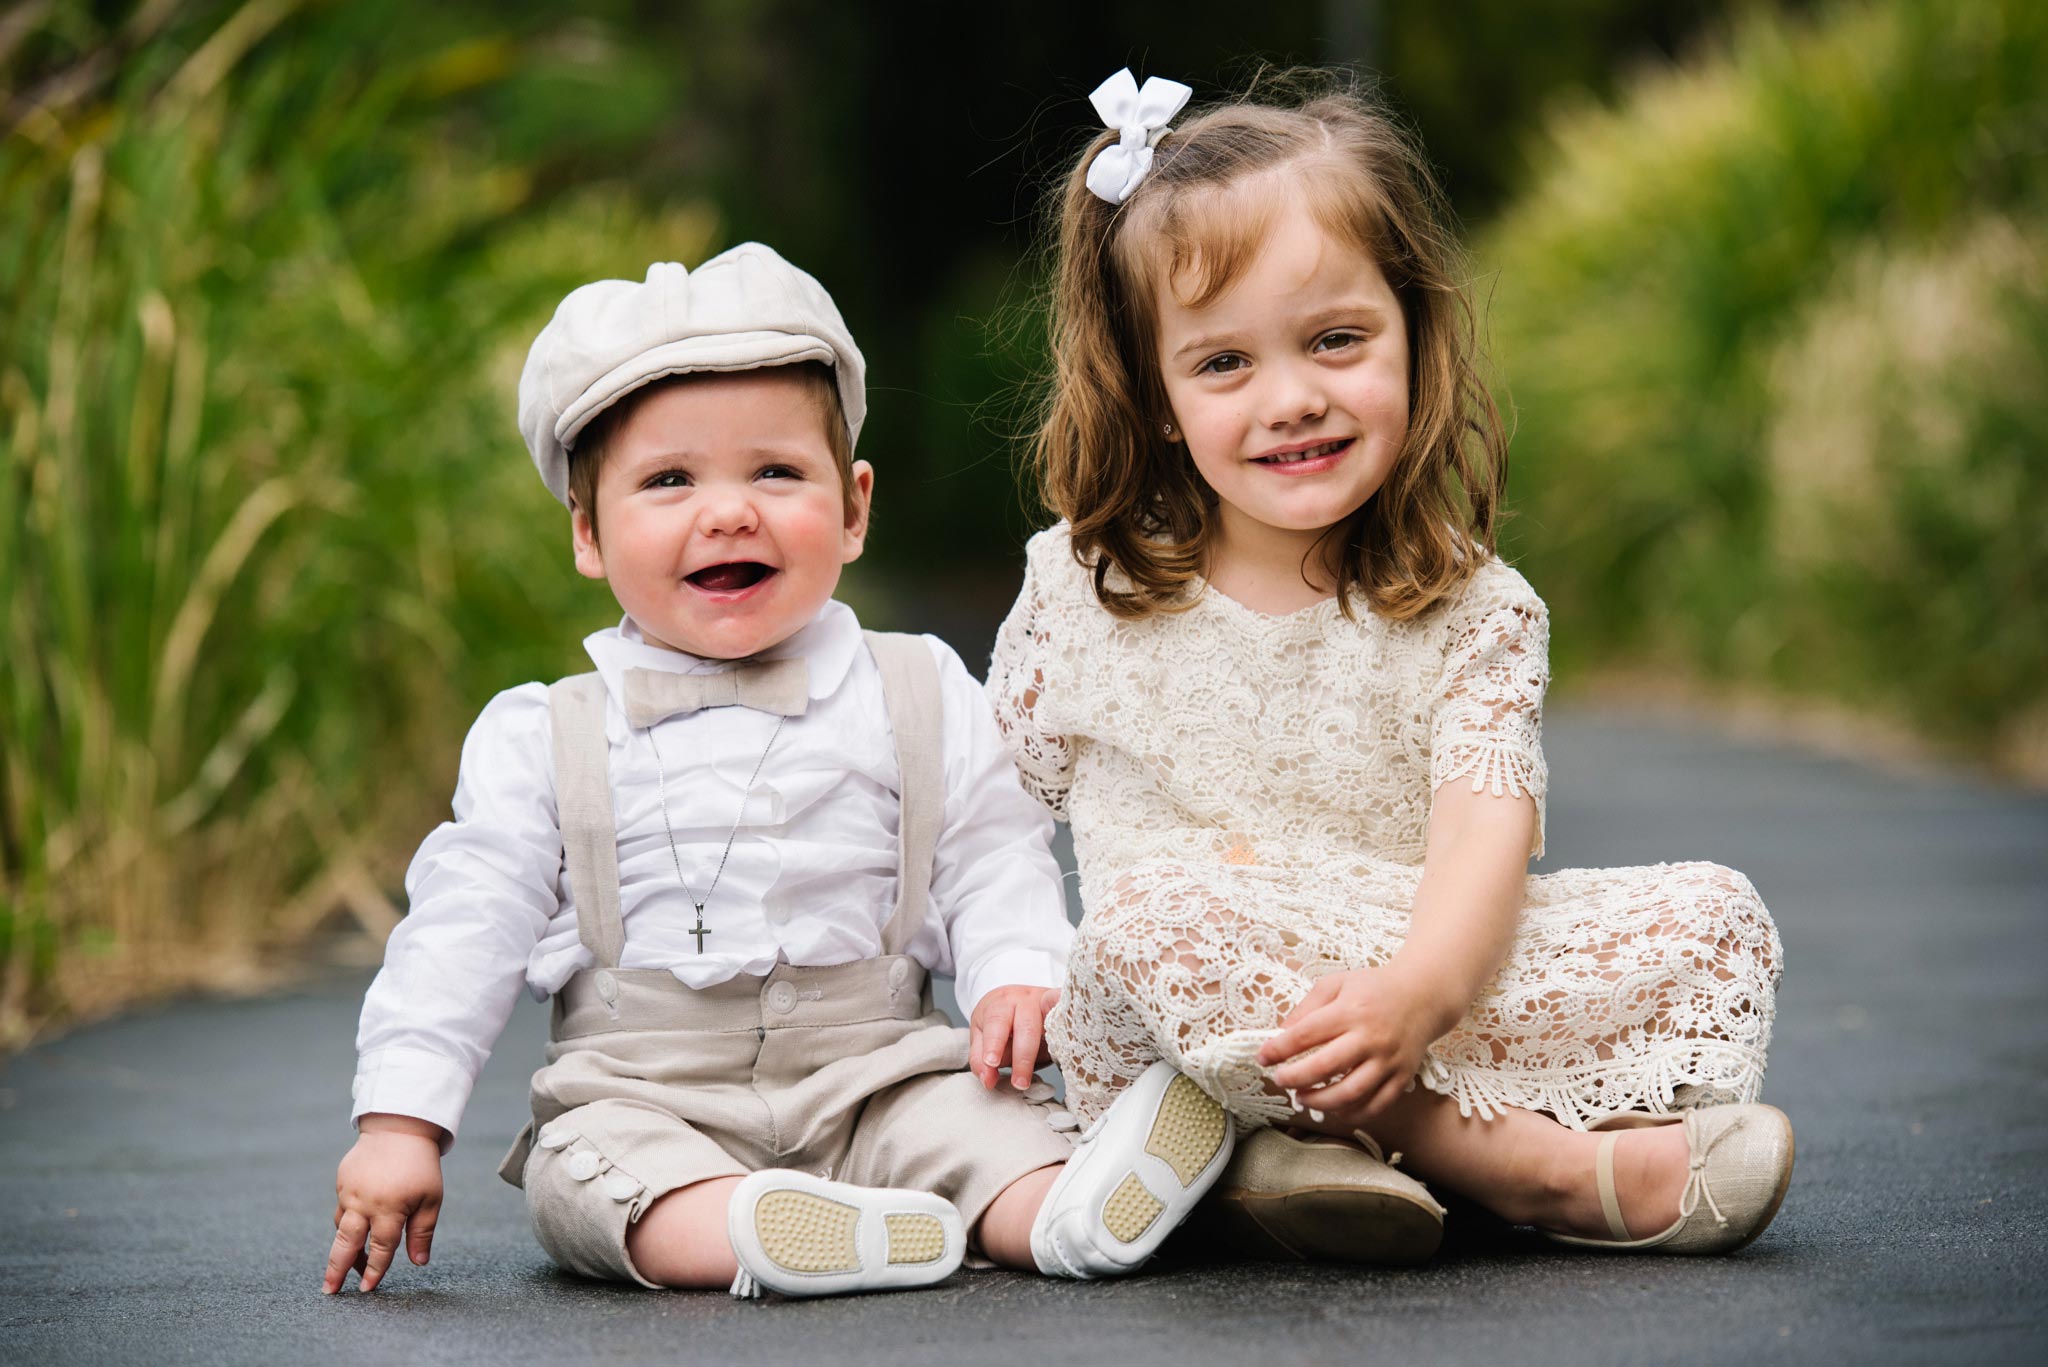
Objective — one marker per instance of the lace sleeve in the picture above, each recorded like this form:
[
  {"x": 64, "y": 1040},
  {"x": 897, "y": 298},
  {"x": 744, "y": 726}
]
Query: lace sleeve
[
  {"x": 1016, "y": 678},
  {"x": 1489, "y": 711}
]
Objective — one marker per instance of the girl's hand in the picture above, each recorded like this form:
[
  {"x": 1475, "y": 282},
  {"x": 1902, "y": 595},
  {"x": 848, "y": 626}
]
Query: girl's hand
[
  {"x": 388, "y": 1184},
  {"x": 1009, "y": 1024},
  {"x": 1367, "y": 1030}
]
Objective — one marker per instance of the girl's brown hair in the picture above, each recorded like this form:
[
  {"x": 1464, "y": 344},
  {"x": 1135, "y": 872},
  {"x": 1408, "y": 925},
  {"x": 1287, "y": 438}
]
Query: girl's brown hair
[{"x": 1133, "y": 499}]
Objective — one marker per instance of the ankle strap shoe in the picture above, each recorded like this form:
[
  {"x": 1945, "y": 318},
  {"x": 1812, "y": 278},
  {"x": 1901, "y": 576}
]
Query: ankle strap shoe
[{"x": 1740, "y": 1166}]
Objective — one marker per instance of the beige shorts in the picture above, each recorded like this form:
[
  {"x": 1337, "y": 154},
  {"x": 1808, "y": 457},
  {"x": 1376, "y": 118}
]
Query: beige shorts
[{"x": 846, "y": 1072}]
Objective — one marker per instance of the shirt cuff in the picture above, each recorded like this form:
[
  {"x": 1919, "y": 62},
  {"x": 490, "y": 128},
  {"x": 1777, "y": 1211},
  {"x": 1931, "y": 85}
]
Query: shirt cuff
[
  {"x": 401, "y": 1081},
  {"x": 1007, "y": 968}
]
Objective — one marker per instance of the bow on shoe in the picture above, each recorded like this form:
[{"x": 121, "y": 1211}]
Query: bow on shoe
[
  {"x": 778, "y": 686},
  {"x": 1696, "y": 1180},
  {"x": 1139, "y": 115}
]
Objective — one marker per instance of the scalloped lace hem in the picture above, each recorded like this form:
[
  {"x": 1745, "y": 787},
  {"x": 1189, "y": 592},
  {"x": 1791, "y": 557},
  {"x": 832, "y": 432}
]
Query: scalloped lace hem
[{"x": 1228, "y": 1069}]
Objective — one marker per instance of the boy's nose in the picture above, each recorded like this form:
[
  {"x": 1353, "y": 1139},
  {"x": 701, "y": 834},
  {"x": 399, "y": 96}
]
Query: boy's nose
[{"x": 725, "y": 512}]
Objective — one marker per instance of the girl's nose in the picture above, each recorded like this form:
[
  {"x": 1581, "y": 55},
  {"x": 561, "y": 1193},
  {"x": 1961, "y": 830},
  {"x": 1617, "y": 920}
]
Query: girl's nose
[{"x": 1292, "y": 394}]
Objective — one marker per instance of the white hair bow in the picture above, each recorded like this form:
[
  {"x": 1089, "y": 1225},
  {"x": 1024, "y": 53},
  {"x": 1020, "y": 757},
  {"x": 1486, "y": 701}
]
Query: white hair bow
[{"x": 1140, "y": 116}]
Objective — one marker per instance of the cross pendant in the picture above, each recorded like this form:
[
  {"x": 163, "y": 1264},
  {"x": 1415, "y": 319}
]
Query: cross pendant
[{"x": 700, "y": 932}]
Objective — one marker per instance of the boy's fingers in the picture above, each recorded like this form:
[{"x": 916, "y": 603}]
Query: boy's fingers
[
  {"x": 419, "y": 1231},
  {"x": 349, "y": 1230},
  {"x": 974, "y": 1063},
  {"x": 1024, "y": 1049},
  {"x": 384, "y": 1232},
  {"x": 995, "y": 1036}
]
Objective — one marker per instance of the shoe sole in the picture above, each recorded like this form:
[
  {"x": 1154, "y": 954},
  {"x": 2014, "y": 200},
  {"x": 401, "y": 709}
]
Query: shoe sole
[
  {"x": 1336, "y": 1224},
  {"x": 1104, "y": 1215},
  {"x": 1187, "y": 1132},
  {"x": 805, "y": 1233}
]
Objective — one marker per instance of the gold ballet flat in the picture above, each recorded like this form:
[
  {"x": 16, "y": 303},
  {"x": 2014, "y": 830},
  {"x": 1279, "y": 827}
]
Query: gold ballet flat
[
  {"x": 1292, "y": 1198},
  {"x": 1741, "y": 1164}
]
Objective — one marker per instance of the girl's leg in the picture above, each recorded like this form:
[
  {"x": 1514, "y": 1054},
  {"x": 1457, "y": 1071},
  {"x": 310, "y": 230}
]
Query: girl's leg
[
  {"x": 1530, "y": 1170},
  {"x": 681, "y": 1241}
]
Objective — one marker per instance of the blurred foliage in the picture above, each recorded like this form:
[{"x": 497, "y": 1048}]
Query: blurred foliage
[
  {"x": 267, "y": 533},
  {"x": 1774, "y": 326}
]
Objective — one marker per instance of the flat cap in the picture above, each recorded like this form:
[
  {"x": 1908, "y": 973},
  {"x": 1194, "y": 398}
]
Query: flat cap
[{"x": 741, "y": 310}]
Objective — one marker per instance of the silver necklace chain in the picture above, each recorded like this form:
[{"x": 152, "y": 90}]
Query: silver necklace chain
[{"x": 661, "y": 776}]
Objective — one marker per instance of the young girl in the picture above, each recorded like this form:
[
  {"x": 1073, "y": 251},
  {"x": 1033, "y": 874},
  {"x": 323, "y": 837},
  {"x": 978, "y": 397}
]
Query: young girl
[{"x": 1272, "y": 671}]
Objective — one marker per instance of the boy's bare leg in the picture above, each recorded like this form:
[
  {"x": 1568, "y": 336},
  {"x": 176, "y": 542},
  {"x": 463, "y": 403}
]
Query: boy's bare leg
[
  {"x": 1004, "y": 1232},
  {"x": 1527, "y": 1168},
  {"x": 681, "y": 1240}
]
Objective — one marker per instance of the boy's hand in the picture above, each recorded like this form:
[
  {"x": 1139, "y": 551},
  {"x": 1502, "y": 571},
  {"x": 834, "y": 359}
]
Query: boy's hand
[
  {"x": 389, "y": 1183},
  {"x": 1009, "y": 1023},
  {"x": 1371, "y": 1026}
]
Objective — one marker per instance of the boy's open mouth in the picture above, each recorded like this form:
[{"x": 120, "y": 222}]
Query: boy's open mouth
[
  {"x": 730, "y": 577},
  {"x": 1328, "y": 448}
]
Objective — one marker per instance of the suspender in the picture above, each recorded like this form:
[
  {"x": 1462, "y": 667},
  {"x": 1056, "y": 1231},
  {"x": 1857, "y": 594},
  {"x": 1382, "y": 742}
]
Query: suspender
[
  {"x": 583, "y": 806},
  {"x": 590, "y": 839},
  {"x": 910, "y": 688}
]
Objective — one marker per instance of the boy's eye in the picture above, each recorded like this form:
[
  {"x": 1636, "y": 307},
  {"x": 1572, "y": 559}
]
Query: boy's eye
[
  {"x": 1226, "y": 364},
  {"x": 779, "y": 472},
  {"x": 669, "y": 479}
]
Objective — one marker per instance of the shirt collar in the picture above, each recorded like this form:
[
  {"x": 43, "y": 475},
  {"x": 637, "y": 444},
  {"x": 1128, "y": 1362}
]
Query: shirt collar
[{"x": 827, "y": 645}]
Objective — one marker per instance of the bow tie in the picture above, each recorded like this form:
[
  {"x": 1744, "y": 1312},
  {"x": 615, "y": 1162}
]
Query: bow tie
[{"x": 778, "y": 686}]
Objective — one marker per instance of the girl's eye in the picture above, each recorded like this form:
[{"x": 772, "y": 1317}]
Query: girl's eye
[
  {"x": 779, "y": 472},
  {"x": 1225, "y": 364},
  {"x": 1343, "y": 337},
  {"x": 669, "y": 479}
]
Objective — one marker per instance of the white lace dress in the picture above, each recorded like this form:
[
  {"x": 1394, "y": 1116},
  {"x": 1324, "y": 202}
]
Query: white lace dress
[{"x": 1250, "y": 801}]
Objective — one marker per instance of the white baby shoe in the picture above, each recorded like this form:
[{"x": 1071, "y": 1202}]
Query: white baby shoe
[
  {"x": 1135, "y": 1175},
  {"x": 806, "y": 1236}
]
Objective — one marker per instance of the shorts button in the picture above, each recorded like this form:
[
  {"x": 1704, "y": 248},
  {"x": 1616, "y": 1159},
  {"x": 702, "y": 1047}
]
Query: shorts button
[
  {"x": 583, "y": 1166},
  {"x": 607, "y": 985},
  {"x": 899, "y": 973},
  {"x": 782, "y": 998}
]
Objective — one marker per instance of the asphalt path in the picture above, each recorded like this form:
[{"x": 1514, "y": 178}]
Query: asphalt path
[{"x": 166, "y": 1179}]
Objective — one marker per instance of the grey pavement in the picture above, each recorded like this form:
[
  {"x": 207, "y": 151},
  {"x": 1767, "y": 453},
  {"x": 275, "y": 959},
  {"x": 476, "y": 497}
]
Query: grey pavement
[{"x": 166, "y": 1179}]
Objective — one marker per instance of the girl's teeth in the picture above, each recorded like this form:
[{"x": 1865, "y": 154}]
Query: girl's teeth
[{"x": 1325, "y": 449}]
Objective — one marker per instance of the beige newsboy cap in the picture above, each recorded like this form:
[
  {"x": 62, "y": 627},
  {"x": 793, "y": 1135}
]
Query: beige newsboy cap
[{"x": 741, "y": 310}]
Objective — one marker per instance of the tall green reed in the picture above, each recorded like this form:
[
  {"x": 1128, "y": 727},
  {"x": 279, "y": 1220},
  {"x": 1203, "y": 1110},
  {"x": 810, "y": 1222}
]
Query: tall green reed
[
  {"x": 1715, "y": 462},
  {"x": 267, "y": 534}
]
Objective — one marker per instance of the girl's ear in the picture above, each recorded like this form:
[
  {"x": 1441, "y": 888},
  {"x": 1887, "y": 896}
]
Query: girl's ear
[
  {"x": 860, "y": 492},
  {"x": 583, "y": 539},
  {"x": 1169, "y": 431}
]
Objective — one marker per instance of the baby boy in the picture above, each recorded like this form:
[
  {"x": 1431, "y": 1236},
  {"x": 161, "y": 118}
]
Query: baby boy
[{"x": 732, "y": 855}]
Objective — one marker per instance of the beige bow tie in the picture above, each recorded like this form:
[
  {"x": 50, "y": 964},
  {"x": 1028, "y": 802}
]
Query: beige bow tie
[{"x": 779, "y": 686}]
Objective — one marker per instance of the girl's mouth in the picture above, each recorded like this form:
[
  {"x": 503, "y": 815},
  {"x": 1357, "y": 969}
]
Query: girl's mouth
[
  {"x": 1307, "y": 460},
  {"x": 733, "y": 577}
]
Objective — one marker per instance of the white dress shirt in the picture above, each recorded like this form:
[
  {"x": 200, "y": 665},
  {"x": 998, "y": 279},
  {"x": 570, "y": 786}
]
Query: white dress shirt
[{"x": 811, "y": 879}]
